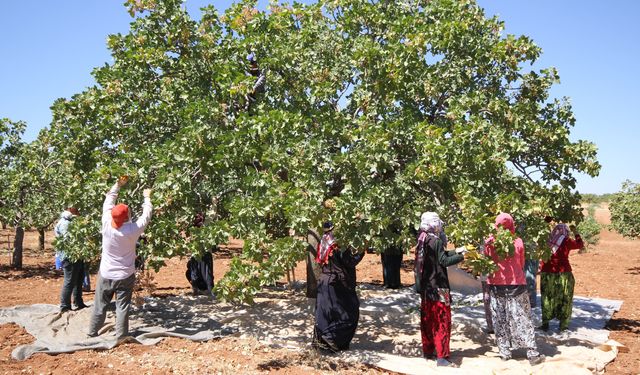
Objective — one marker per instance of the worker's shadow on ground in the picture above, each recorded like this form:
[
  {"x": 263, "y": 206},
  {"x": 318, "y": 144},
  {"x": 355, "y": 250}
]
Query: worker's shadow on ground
[{"x": 184, "y": 315}]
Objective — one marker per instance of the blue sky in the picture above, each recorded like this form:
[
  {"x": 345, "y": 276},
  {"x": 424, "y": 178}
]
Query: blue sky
[{"x": 50, "y": 47}]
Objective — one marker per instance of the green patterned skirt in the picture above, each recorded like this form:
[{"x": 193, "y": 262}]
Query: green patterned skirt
[{"x": 557, "y": 297}]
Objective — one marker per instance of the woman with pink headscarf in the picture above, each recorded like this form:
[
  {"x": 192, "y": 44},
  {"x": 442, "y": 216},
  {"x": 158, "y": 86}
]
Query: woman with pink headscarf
[{"x": 510, "y": 308}]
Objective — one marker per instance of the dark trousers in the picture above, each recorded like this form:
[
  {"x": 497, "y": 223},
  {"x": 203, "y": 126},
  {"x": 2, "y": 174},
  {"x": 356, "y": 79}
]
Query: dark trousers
[
  {"x": 391, "y": 265},
  {"x": 72, "y": 284},
  {"x": 86, "y": 281},
  {"x": 486, "y": 301},
  {"x": 105, "y": 290},
  {"x": 530, "y": 269}
]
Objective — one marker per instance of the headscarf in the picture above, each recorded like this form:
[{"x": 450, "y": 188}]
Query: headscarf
[
  {"x": 430, "y": 222},
  {"x": 557, "y": 237},
  {"x": 326, "y": 247},
  {"x": 506, "y": 221}
]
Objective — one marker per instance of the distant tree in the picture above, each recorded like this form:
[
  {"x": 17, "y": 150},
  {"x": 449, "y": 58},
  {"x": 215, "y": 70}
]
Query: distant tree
[
  {"x": 625, "y": 210},
  {"x": 11, "y": 147},
  {"x": 589, "y": 228},
  {"x": 29, "y": 186},
  {"x": 596, "y": 198}
]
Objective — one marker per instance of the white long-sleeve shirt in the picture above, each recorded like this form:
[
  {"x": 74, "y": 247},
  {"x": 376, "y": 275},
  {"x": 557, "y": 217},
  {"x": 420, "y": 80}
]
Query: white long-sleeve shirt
[{"x": 119, "y": 245}]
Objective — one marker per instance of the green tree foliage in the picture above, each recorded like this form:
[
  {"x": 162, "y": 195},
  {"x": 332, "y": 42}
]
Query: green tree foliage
[
  {"x": 374, "y": 112},
  {"x": 589, "y": 228},
  {"x": 10, "y": 147},
  {"x": 625, "y": 210},
  {"x": 595, "y": 198},
  {"x": 30, "y": 183}
]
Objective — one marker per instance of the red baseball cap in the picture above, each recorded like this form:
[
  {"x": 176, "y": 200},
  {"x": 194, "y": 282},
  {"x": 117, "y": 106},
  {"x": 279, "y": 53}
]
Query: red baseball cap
[{"x": 119, "y": 214}]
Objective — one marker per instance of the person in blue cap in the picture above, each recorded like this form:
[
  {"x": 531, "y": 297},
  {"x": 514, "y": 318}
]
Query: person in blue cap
[{"x": 261, "y": 80}]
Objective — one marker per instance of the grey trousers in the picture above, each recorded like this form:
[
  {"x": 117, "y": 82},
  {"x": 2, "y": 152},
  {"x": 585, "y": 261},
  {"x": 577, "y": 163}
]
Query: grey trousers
[{"x": 105, "y": 289}]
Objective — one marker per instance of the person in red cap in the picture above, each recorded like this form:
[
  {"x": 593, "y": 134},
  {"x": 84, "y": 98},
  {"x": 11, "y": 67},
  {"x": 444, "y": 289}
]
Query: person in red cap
[{"x": 117, "y": 265}]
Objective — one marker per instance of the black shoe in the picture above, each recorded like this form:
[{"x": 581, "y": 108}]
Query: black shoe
[
  {"x": 64, "y": 309},
  {"x": 544, "y": 327},
  {"x": 505, "y": 357},
  {"x": 432, "y": 356},
  {"x": 536, "y": 360},
  {"x": 81, "y": 306}
]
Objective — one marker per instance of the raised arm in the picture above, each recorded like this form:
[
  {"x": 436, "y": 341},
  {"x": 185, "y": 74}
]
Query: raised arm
[
  {"x": 147, "y": 208},
  {"x": 110, "y": 198},
  {"x": 574, "y": 244}
]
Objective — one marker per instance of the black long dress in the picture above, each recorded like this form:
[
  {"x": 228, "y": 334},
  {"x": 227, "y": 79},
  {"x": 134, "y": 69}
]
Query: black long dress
[
  {"x": 337, "y": 304},
  {"x": 200, "y": 272},
  {"x": 391, "y": 260}
]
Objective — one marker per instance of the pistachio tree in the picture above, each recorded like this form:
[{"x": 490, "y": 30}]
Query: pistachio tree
[
  {"x": 374, "y": 111},
  {"x": 30, "y": 184},
  {"x": 625, "y": 210}
]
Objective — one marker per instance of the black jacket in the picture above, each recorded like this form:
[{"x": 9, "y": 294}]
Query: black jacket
[{"x": 432, "y": 261}]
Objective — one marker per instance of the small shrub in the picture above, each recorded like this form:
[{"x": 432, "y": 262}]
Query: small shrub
[
  {"x": 625, "y": 210},
  {"x": 589, "y": 228}
]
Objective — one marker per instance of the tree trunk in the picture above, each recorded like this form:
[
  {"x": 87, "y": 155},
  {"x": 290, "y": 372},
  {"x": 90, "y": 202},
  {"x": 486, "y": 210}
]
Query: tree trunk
[
  {"x": 41, "y": 239},
  {"x": 16, "y": 259},
  {"x": 17, "y": 248},
  {"x": 4, "y": 225}
]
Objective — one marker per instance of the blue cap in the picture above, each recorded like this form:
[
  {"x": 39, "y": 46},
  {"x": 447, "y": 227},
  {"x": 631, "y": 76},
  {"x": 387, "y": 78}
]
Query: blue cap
[
  {"x": 251, "y": 57},
  {"x": 327, "y": 226}
]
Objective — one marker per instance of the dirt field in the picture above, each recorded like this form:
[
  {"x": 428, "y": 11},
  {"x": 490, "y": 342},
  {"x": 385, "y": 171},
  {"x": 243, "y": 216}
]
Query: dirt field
[{"x": 611, "y": 269}]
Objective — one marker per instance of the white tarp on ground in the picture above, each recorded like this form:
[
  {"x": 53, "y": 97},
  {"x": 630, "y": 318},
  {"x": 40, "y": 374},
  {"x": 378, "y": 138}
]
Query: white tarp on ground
[
  {"x": 399, "y": 350},
  {"x": 388, "y": 334},
  {"x": 63, "y": 333}
]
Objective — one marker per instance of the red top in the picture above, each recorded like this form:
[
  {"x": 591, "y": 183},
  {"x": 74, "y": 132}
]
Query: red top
[
  {"x": 559, "y": 262},
  {"x": 510, "y": 270}
]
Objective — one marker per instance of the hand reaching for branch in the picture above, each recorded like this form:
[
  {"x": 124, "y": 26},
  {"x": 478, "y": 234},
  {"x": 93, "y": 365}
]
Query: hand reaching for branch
[
  {"x": 146, "y": 193},
  {"x": 123, "y": 180}
]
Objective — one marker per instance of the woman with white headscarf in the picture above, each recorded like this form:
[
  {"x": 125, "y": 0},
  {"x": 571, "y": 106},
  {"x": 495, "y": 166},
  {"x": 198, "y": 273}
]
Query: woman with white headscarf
[{"x": 432, "y": 282}]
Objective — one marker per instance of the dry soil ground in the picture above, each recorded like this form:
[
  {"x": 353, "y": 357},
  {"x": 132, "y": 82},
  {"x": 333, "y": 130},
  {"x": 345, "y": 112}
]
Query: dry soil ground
[{"x": 610, "y": 269}]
